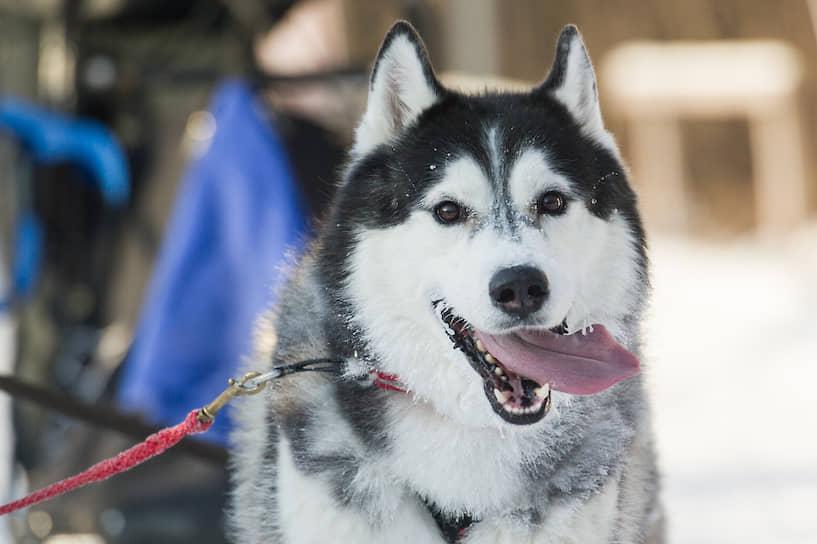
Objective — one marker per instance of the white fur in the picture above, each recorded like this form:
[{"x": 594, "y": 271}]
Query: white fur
[
  {"x": 492, "y": 135},
  {"x": 310, "y": 514},
  {"x": 398, "y": 83},
  {"x": 448, "y": 477}
]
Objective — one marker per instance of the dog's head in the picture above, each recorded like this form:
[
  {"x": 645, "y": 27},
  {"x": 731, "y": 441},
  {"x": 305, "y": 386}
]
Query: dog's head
[{"x": 488, "y": 247}]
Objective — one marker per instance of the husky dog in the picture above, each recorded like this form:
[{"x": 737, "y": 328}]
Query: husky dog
[{"x": 481, "y": 277}]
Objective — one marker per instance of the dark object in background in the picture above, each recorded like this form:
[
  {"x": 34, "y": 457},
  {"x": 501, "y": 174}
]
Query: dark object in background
[
  {"x": 128, "y": 63},
  {"x": 175, "y": 497}
]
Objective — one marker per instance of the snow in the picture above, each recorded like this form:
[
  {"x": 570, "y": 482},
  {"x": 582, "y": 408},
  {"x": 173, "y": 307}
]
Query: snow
[{"x": 732, "y": 363}]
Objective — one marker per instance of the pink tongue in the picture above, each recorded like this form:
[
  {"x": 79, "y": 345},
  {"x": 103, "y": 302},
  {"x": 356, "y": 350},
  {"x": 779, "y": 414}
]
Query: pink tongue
[{"x": 577, "y": 364}]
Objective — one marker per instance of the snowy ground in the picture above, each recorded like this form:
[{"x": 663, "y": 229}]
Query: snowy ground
[{"x": 732, "y": 349}]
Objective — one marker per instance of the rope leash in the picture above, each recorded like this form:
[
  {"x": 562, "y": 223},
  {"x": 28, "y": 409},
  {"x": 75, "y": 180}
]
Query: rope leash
[
  {"x": 104, "y": 416},
  {"x": 197, "y": 421},
  {"x": 153, "y": 445}
]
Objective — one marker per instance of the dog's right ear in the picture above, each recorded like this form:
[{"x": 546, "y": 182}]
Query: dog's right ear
[{"x": 403, "y": 85}]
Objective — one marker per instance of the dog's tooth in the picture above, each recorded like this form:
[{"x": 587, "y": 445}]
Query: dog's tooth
[
  {"x": 480, "y": 346},
  {"x": 498, "y": 371},
  {"x": 490, "y": 358},
  {"x": 543, "y": 391},
  {"x": 502, "y": 396}
]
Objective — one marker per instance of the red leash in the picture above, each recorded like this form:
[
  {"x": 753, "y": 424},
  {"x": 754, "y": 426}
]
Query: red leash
[
  {"x": 197, "y": 421},
  {"x": 153, "y": 445}
]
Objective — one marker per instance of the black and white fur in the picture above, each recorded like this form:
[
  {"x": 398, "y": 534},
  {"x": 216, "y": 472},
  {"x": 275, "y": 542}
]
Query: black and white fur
[{"x": 331, "y": 458}]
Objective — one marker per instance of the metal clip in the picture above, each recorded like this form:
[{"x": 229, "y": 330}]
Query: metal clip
[
  {"x": 254, "y": 382},
  {"x": 245, "y": 386}
]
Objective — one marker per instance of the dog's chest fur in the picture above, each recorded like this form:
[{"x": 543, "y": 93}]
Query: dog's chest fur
[
  {"x": 430, "y": 453},
  {"x": 425, "y": 461},
  {"x": 307, "y": 498}
]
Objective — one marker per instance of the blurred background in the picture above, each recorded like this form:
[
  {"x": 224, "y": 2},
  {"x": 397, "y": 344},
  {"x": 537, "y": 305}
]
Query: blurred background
[{"x": 158, "y": 160}]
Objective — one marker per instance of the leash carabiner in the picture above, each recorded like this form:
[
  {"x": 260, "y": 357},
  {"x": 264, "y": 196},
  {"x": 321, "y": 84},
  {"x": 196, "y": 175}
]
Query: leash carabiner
[
  {"x": 254, "y": 382},
  {"x": 238, "y": 388}
]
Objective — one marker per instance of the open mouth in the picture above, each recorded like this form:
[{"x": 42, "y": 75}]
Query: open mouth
[
  {"x": 515, "y": 398},
  {"x": 519, "y": 369}
]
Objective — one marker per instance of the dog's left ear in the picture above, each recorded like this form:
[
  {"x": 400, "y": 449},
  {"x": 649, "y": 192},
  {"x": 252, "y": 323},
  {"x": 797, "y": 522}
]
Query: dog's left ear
[
  {"x": 572, "y": 81},
  {"x": 402, "y": 86}
]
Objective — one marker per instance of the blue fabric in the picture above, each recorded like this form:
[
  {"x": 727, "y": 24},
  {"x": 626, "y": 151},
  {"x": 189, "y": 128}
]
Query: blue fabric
[
  {"x": 52, "y": 137},
  {"x": 238, "y": 214},
  {"x": 28, "y": 248}
]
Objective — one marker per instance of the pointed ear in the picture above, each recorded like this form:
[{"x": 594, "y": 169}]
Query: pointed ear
[
  {"x": 572, "y": 81},
  {"x": 402, "y": 86}
]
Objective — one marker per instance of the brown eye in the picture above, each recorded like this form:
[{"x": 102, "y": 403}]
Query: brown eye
[
  {"x": 448, "y": 212},
  {"x": 551, "y": 203}
]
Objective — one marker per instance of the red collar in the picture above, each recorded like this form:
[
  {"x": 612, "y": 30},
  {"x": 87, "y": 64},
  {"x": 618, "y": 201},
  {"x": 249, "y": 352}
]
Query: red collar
[{"x": 389, "y": 382}]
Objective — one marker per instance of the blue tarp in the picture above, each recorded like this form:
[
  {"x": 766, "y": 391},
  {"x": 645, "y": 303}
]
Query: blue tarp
[{"x": 238, "y": 214}]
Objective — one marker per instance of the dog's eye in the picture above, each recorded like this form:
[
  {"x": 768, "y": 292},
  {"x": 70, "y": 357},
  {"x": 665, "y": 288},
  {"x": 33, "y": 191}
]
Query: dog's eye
[
  {"x": 551, "y": 203},
  {"x": 448, "y": 212}
]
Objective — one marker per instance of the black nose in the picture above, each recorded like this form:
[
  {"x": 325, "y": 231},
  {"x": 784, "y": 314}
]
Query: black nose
[{"x": 519, "y": 290}]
